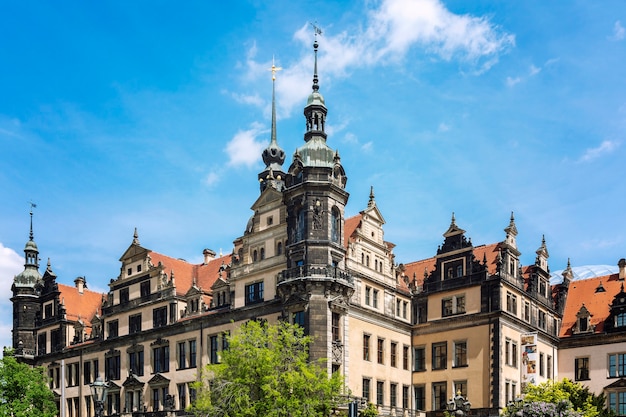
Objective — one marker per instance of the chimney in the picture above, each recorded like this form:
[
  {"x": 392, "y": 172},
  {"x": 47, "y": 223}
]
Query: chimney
[
  {"x": 622, "y": 269},
  {"x": 209, "y": 255},
  {"x": 81, "y": 284}
]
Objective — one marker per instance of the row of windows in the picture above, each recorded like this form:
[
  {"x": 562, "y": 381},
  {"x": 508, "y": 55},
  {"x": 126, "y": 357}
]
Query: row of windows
[
  {"x": 531, "y": 314},
  {"x": 439, "y": 356},
  {"x": 380, "y": 352},
  {"x": 380, "y": 393},
  {"x": 616, "y": 366}
]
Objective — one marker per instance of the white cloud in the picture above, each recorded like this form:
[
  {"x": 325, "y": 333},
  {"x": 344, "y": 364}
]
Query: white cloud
[
  {"x": 212, "y": 178},
  {"x": 605, "y": 147},
  {"x": 443, "y": 127},
  {"x": 512, "y": 81},
  {"x": 350, "y": 138},
  {"x": 243, "y": 148},
  {"x": 11, "y": 264},
  {"x": 534, "y": 70},
  {"x": 619, "y": 33},
  {"x": 392, "y": 29},
  {"x": 253, "y": 99},
  {"x": 366, "y": 147}
]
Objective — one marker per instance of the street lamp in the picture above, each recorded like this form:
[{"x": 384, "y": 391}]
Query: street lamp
[
  {"x": 459, "y": 405},
  {"x": 99, "y": 390}
]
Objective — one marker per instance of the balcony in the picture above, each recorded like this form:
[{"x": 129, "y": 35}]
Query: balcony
[{"x": 316, "y": 273}]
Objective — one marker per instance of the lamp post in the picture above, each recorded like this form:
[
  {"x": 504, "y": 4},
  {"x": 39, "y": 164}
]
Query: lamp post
[
  {"x": 459, "y": 406},
  {"x": 99, "y": 390}
]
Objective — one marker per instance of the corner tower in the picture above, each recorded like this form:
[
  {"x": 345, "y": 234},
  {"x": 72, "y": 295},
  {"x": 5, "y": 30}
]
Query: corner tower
[
  {"x": 315, "y": 282},
  {"x": 25, "y": 299}
]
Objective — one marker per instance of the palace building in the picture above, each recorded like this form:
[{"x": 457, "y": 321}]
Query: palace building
[{"x": 406, "y": 337}]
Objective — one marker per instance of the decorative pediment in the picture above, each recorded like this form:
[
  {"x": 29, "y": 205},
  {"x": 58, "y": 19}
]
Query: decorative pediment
[
  {"x": 158, "y": 380},
  {"x": 160, "y": 342},
  {"x": 134, "y": 348},
  {"x": 268, "y": 196},
  {"x": 219, "y": 284},
  {"x": 619, "y": 384},
  {"x": 133, "y": 252},
  {"x": 373, "y": 214},
  {"x": 132, "y": 382}
]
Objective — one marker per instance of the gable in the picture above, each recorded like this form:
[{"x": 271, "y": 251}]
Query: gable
[
  {"x": 268, "y": 196},
  {"x": 134, "y": 252}
]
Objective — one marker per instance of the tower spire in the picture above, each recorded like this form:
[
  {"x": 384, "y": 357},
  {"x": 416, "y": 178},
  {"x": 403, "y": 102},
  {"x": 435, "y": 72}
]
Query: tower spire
[
  {"x": 273, "y": 155},
  {"x": 32, "y": 206}
]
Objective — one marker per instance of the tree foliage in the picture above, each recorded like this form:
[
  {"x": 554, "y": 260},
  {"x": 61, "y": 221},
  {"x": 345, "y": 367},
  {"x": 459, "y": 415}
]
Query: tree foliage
[
  {"x": 369, "y": 411},
  {"x": 564, "y": 398},
  {"x": 23, "y": 390},
  {"x": 266, "y": 372}
]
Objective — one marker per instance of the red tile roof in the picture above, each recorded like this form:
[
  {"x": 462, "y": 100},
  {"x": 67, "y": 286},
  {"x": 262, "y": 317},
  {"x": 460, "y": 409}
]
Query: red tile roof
[
  {"x": 79, "y": 306},
  {"x": 350, "y": 227},
  {"x": 584, "y": 292},
  {"x": 184, "y": 272}
]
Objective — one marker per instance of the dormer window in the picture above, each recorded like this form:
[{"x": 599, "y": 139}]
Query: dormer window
[
  {"x": 620, "y": 320},
  {"x": 583, "y": 321}
]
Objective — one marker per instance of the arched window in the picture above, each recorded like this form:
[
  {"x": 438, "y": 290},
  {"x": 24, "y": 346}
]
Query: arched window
[
  {"x": 362, "y": 258},
  {"x": 367, "y": 260},
  {"x": 300, "y": 225},
  {"x": 255, "y": 256},
  {"x": 279, "y": 248},
  {"x": 262, "y": 253}
]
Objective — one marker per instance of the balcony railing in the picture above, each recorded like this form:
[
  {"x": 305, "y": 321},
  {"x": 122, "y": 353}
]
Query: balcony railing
[{"x": 324, "y": 272}]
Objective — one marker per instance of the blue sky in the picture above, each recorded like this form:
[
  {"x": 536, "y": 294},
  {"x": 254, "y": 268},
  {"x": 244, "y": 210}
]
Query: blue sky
[{"x": 154, "y": 114}]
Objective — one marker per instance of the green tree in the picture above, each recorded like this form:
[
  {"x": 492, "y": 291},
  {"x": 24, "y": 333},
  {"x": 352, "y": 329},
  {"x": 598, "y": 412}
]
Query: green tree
[
  {"x": 565, "y": 398},
  {"x": 266, "y": 372},
  {"x": 369, "y": 411},
  {"x": 23, "y": 390}
]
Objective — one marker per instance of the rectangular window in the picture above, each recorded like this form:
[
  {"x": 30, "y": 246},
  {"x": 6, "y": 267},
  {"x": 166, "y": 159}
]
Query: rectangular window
[
  {"x": 134, "y": 323},
  {"x": 192, "y": 354},
  {"x": 617, "y": 365},
  {"x": 124, "y": 295},
  {"x": 41, "y": 344},
  {"x": 617, "y": 402},
  {"x": 87, "y": 373},
  {"x": 460, "y": 386},
  {"x": 380, "y": 347},
  {"x": 405, "y": 397},
  {"x": 161, "y": 359},
  {"x": 135, "y": 362},
  {"x": 393, "y": 394},
  {"x": 511, "y": 303},
  {"x": 144, "y": 289},
  {"x": 368, "y": 295},
  {"x": 380, "y": 392},
  {"x": 542, "y": 320},
  {"x": 335, "y": 327},
  {"x": 405, "y": 307},
  {"x": 453, "y": 305},
  {"x": 405, "y": 357},
  {"x": 440, "y": 355},
  {"x": 47, "y": 311},
  {"x": 507, "y": 351},
  {"x": 254, "y": 293},
  {"x": 420, "y": 397},
  {"x": 159, "y": 317},
  {"x": 366, "y": 389},
  {"x": 182, "y": 396},
  {"x": 419, "y": 357},
  {"x": 366, "y": 347},
  {"x": 182, "y": 355},
  {"x": 549, "y": 366},
  {"x": 527, "y": 311},
  {"x": 439, "y": 396},
  {"x": 392, "y": 354},
  {"x": 113, "y": 328},
  {"x": 581, "y": 366},
  {"x": 460, "y": 354},
  {"x": 398, "y": 304},
  {"x": 213, "y": 349},
  {"x": 112, "y": 366},
  {"x": 375, "y": 299},
  {"x": 542, "y": 370},
  {"x": 514, "y": 354}
]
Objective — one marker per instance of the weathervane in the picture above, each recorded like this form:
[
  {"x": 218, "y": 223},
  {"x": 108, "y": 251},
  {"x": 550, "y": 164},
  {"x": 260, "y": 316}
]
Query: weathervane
[
  {"x": 316, "y": 29},
  {"x": 274, "y": 69}
]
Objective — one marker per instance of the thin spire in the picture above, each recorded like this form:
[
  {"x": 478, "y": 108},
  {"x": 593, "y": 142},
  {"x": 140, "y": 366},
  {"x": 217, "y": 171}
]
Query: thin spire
[
  {"x": 274, "y": 69},
  {"x": 317, "y": 31},
  {"x": 32, "y": 206},
  {"x": 136, "y": 237},
  {"x": 371, "y": 201}
]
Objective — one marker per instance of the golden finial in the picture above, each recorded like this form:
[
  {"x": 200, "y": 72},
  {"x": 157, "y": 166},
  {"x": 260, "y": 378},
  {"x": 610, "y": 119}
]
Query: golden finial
[{"x": 274, "y": 69}]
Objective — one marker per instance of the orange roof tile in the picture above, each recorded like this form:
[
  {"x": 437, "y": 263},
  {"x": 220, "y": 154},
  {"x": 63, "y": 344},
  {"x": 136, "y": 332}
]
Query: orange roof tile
[
  {"x": 351, "y": 224},
  {"x": 184, "y": 272},
  {"x": 584, "y": 292},
  {"x": 79, "y": 306}
]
